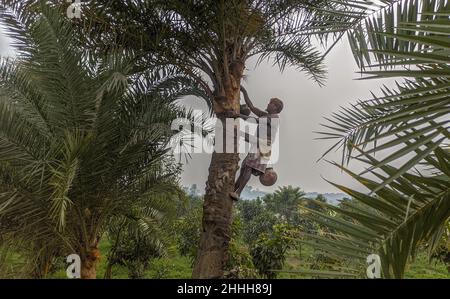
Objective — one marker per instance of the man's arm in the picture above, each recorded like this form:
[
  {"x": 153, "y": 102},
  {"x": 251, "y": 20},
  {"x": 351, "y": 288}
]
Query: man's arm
[{"x": 250, "y": 105}]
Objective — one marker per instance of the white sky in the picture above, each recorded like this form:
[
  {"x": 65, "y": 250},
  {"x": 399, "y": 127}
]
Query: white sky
[{"x": 305, "y": 106}]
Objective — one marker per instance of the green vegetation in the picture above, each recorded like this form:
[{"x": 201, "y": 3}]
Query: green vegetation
[
  {"x": 401, "y": 137},
  {"x": 85, "y": 134},
  {"x": 177, "y": 266},
  {"x": 84, "y": 157}
]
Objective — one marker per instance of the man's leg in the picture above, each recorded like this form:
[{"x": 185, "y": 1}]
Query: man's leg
[{"x": 244, "y": 177}]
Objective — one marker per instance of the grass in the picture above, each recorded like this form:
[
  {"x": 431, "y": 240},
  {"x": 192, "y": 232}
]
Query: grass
[
  {"x": 174, "y": 266},
  {"x": 420, "y": 268}
]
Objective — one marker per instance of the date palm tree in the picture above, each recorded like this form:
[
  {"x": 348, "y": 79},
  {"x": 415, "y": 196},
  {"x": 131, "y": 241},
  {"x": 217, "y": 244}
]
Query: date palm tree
[
  {"x": 284, "y": 202},
  {"x": 83, "y": 141},
  {"x": 210, "y": 41}
]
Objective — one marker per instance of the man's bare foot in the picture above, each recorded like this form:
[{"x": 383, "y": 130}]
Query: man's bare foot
[{"x": 234, "y": 196}]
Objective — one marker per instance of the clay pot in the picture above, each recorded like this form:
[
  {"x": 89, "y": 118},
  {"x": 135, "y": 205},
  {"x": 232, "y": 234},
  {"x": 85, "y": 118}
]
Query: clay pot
[{"x": 269, "y": 178}]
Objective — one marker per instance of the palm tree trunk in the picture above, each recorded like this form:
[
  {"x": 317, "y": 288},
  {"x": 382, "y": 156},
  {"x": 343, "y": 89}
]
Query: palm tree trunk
[
  {"x": 218, "y": 205},
  {"x": 217, "y": 217},
  {"x": 89, "y": 263}
]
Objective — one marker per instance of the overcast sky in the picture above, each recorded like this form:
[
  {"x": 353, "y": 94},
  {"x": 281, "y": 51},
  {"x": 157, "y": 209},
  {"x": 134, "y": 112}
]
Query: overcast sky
[{"x": 305, "y": 106}]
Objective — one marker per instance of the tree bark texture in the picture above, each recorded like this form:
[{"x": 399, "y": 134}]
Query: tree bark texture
[{"x": 218, "y": 205}]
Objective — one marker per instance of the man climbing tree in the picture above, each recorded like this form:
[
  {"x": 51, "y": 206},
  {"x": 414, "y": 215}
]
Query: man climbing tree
[
  {"x": 260, "y": 154},
  {"x": 209, "y": 42}
]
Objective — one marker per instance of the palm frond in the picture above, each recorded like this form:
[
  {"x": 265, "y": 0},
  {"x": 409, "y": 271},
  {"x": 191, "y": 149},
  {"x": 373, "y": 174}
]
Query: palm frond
[{"x": 392, "y": 223}]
